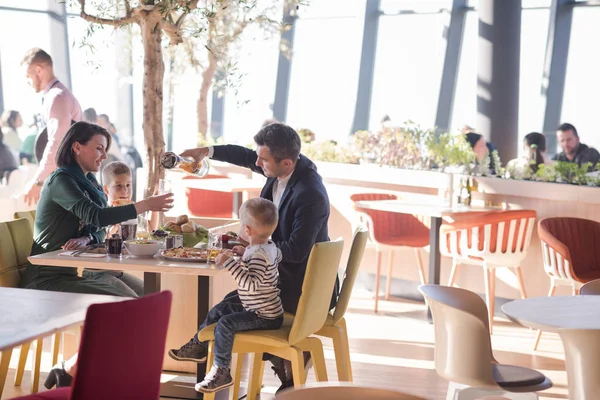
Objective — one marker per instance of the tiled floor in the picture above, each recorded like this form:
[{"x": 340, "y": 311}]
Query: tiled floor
[{"x": 394, "y": 349}]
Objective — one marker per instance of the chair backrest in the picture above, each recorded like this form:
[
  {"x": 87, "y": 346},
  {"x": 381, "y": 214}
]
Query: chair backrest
[
  {"x": 342, "y": 391},
  {"x": 357, "y": 250},
  {"x": 582, "y": 358},
  {"x": 569, "y": 247},
  {"x": 493, "y": 235},
  {"x": 122, "y": 349},
  {"x": 28, "y": 215},
  {"x": 16, "y": 238},
  {"x": 463, "y": 350},
  {"x": 319, "y": 281},
  {"x": 591, "y": 288}
]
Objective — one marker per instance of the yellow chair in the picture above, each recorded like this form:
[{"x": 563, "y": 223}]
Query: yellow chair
[
  {"x": 335, "y": 324},
  {"x": 342, "y": 391},
  {"x": 582, "y": 358},
  {"x": 28, "y": 215},
  {"x": 290, "y": 342},
  {"x": 463, "y": 350},
  {"x": 16, "y": 238}
]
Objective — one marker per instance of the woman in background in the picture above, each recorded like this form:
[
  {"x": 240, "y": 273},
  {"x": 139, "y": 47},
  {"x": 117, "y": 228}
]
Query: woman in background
[
  {"x": 8, "y": 163},
  {"x": 482, "y": 149},
  {"x": 534, "y": 148},
  {"x": 11, "y": 122}
]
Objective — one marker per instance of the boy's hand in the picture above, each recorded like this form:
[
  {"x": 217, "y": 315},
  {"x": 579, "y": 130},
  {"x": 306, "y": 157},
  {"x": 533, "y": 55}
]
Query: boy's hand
[
  {"x": 238, "y": 250},
  {"x": 223, "y": 257}
]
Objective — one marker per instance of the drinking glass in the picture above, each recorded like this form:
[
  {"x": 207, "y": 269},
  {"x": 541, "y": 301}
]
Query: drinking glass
[
  {"x": 142, "y": 227},
  {"x": 214, "y": 246},
  {"x": 165, "y": 186},
  {"x": 114, "y": 241}
]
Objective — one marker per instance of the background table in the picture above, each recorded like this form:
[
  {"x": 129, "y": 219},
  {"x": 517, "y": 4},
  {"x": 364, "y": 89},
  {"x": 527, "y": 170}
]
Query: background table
[
  {"x": 553, "y": 313},
  {"x": 152, "y": 268},
  {"x": 228, "y": 185}
]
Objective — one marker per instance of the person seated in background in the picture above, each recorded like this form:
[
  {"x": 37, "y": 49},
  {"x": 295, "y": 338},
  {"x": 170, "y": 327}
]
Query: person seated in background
[
  {"x": 27, "y": 152},
  {"x": 89, "y": 115},
  {"x": 257, "y": 279},
  {"x": 116, "y": 183},
  {"x": 8, "y": 163},
  {"x": 534, "y": 147},
  {"x": 482, "y": 149},
  {"x": 11, "y": 122},
  {"x": 573, "y": 150}
]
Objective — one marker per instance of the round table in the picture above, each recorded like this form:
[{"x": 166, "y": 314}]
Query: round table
[{"x": 556, "y": 312}]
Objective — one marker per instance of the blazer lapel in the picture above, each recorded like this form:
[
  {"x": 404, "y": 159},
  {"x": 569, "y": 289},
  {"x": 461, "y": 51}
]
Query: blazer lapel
[{"x": 267, "y": 190}]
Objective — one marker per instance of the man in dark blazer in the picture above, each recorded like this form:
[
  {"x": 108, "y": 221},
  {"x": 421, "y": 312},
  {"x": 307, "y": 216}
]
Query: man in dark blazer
[{"x": 297, "y": 190}]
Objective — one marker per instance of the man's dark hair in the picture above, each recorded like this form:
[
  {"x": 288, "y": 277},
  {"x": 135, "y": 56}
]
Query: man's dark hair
[
  {"x": 36, "y": 56},
  {"x": 80, "y": 132},
  {"x": 568, "y": 127},
  {"x": 90, "y": 115},
  {"x": 282, "y": 141}
]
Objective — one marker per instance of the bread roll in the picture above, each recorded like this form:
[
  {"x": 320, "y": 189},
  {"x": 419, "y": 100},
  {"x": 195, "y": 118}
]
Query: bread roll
[
  {"x": 171, "y": 226},
  {"x": 187, "y": 228},
  {"x": 182, "y": 219}
]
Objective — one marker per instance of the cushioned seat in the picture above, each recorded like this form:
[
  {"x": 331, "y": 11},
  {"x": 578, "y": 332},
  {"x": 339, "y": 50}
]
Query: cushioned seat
[
  {"x": 513, "y": 376},
  {"x": 55, "y": 394}
]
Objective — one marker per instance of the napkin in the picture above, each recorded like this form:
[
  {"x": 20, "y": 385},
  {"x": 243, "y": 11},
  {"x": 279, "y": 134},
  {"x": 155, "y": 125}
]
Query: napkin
[{"x": 90, "y": 255}]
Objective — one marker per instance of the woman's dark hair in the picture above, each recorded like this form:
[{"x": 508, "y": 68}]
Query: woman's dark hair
[
  {"x": 536, "y": 144},
  {"x": 282, "y": 141},
  {"x": 473, "y": 138},
  {"x": 80, "y": 132},
  {"x": 9, "y": 118}
]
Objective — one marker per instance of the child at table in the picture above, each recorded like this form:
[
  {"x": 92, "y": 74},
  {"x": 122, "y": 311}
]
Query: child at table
[
  {"x": 257, "y": 278},
  {"x": 116, "y": 182}
]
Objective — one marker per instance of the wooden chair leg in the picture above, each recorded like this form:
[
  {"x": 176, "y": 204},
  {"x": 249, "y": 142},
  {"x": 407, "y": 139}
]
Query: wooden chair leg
[
  {"x": 519, "y": 274},
  {"x": 4, "y": 363},
  {"x": 575, "y": 290},
  {"x": 452, "y": 278},
  {"x": 341, "y": 349},
  {"x": 487, "y": 275},
  {"x": 237, "y": 363},
  {"x": 538, "y": 336},
  {"x": 420, "y": 265},
  {"x": 377, "y": 278},
  {"x": 23, "y": 354},
  {"x": 492, "y": 303},
  {"x": 316, "y": 352},
  {"x": 256, "y": 376},
  {"x": 297, "y": 360},
  {"x": 55, "y": 347},
  {"x": 37, "y": 361},
  {"x": 388, "y": 281},
  {"x": 210, "y": 358}
]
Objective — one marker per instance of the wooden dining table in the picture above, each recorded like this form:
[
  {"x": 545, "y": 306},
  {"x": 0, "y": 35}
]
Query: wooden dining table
[{"x": 152, "y": 267}]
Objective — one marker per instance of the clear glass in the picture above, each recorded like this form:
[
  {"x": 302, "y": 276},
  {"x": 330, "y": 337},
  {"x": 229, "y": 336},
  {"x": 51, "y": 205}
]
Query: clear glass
[
  {"x": 114, "y": 241},
  {"x": 165, "y": 186},
  {"x": 142, "y": 227},
  {"x": 214, "y": 245}
]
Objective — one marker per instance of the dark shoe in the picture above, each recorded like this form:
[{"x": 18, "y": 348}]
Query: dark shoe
[
  {"x": 283, "y": 370},
  {"x": 216, "y": 379},
  {"x": 58, "y": 376},
  {"x": 191, "y": 351}
]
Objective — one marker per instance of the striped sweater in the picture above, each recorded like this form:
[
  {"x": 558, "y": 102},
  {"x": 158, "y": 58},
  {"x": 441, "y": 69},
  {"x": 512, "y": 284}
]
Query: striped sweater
[{"x": 257, "y": 279}]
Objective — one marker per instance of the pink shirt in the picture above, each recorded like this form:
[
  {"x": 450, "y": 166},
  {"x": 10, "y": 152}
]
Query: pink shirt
[{"x": 59, "y": 108}]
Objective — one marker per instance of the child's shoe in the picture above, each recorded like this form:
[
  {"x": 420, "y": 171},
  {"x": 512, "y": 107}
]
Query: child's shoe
[
  {"x": 216, "y": 379},
  {"x": 191, "y": 351}
]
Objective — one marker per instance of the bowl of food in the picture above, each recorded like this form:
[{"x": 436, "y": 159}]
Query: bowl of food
[{"x": 143, "y": 247}]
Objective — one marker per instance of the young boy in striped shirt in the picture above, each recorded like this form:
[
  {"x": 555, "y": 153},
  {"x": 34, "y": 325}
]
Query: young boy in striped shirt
[{"x": 257, "y": 278}]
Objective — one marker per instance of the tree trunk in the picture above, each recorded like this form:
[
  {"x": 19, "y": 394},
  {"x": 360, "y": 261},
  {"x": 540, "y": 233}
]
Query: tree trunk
[
  {"x": 154, "y": 70},
  {"x": 207, "y": 80}
]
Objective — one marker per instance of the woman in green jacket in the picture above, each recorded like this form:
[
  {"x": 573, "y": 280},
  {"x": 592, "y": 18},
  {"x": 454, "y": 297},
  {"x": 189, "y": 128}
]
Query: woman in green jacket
[{"x": 72, "y": 211}]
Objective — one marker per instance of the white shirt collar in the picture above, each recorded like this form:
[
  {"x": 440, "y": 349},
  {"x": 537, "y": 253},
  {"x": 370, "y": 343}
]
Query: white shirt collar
[{"x": 284, "y": 181}]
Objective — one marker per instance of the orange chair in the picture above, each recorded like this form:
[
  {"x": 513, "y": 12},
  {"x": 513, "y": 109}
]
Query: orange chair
[
  {"x": 570, "y": 252},
  {"x": 389, "y": 230},
  {"x": 209, "y": 203},
  {"x": 491, "y": 240}
]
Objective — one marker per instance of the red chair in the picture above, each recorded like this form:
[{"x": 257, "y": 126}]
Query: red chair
[
  {"x": 389, "y": 230},
  {"x": 121, "y": 353},
  {"x": 209, "y": 203}
]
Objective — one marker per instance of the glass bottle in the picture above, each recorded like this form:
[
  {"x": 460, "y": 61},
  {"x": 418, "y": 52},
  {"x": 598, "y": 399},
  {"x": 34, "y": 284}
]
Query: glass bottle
[{"x": 170, "y": 160}]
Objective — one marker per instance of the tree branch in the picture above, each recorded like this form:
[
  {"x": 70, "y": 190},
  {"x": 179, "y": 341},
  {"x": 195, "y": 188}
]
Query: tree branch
[
  {"x": 127, "y": 19},
  {"x": 173, "y": 32}
]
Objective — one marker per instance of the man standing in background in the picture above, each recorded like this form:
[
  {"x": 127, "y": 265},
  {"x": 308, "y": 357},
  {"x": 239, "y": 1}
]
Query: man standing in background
[{"x": 59, "y": 109}]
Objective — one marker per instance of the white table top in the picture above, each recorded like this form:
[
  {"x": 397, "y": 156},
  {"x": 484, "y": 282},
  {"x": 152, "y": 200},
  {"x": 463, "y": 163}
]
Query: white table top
[
  {"x": 225, "y": 185},
  {"x": 28, "y": 314},
  {"x": 126, "y": 263},
  {"x": 555, "y": 312},
  {"x": 429, "y": 209}
]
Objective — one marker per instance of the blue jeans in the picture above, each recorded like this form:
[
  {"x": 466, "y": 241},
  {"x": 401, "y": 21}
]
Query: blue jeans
[
  {"x": 129, "y": 284},
  {"x": 231, "y": 318}
]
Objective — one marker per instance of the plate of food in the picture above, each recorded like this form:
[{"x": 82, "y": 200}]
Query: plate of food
[{"x": 185, "y": 254}]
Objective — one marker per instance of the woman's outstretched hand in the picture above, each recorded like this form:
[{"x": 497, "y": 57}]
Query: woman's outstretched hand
[{"x": 162, "y": 202}]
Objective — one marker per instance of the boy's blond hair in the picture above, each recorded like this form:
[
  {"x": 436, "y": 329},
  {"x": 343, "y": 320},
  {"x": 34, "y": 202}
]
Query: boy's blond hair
[
  {"x": 113, "y": 169},
  {"x": 261, "y": 215}
]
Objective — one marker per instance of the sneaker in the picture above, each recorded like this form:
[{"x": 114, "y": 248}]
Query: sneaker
[
  {"x": 191, "y": 351},
  {"x": 217, "y": 379}
]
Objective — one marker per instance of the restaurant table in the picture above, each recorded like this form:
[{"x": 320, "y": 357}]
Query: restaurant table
[
  {"x": 436, "y": 212},
  {"x": 152, "y": 268},
  {"x": 555, "y": 312},
  {"x": 228, "y": 185}
]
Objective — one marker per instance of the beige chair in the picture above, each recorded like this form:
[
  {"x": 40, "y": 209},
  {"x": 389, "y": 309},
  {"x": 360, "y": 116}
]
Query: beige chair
[
  {"x": 463, "y": 350},
  {"x": 342, "y": 391},
  {"x": 591, "y": 288},
  {"x": 28, "y": 215},
  {"x": 582, "y": 357},
  {"x": 289, "y": 342},
  {"x": 335, "y": 324}
]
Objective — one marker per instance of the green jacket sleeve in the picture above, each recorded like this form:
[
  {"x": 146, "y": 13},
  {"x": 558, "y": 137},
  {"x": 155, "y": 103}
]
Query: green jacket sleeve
[{"x": 65, "y": 192}]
